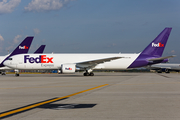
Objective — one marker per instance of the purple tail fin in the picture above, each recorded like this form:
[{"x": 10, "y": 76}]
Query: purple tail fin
[
  {"x": 153, "y": 50},
  {"x": 156, "y": 47},
  {"x": 22, "y": 48},
  {"x": 40, "y": 50}
]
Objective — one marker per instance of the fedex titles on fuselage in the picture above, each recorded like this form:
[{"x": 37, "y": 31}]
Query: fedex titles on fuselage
[
  {"x": 40, "y": 59},
  {"x": 157, "y": 45}
]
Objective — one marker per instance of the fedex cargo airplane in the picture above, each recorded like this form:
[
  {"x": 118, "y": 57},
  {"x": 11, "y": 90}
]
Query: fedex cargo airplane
[
  {"x": 22, "y": 48},
  {"x": 69, "y": 63},
  {"x": 164, "y": 67},
  {"x": 40, "y": 50}
]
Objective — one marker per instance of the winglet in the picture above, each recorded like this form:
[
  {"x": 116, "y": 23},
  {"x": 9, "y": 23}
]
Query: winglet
[{"x": 40, "y": 50}]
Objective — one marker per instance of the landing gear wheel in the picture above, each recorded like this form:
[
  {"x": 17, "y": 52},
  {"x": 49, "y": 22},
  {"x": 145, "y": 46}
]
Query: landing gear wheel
[
  {"x": 16, "y": 75},
  {"x": 86, "y": 74},
  {"x": 3, "y": 73},
  {"x": 159, "y": 71},
  {"x": 167, "y": 71},
  {"x": 16, "y": 72},
  {"x": 91, "y": 74}
]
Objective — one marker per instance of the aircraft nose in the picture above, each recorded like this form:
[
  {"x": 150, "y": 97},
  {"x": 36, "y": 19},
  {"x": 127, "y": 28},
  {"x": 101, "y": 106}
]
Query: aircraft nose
[{"x": 6, "y": 63}]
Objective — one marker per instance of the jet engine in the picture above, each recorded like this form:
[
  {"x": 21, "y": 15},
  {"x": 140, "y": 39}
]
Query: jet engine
[{"x": 68, "y": 68}]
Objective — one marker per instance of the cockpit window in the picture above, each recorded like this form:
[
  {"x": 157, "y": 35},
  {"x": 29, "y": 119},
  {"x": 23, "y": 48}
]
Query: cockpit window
[{"x": 9, "y": 58}]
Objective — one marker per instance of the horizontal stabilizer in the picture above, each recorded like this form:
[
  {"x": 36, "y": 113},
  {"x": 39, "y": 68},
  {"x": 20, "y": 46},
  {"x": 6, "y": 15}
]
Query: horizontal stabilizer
[{"x": 161, "y": 58}]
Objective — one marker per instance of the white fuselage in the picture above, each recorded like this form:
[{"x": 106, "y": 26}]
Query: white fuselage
[
  {"x": 2, "y": 58},
  {"x": 54, "y": 61},
  {"x": 166, "y": 66},
  {"x": 5, "y": 68}
]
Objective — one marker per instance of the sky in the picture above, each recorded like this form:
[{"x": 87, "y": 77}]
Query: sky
[{"x": 89, "y": 26}]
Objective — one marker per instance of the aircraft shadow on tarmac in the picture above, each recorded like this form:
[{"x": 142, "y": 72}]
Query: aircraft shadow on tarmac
[
  {"x": 66, "y": 106},
  {"x": 50, "y": 105}
]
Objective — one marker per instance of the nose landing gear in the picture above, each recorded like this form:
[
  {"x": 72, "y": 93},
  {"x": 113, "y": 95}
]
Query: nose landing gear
[
  {"x": 16, "y": 72},
  {"x": 3, "y": 73}
]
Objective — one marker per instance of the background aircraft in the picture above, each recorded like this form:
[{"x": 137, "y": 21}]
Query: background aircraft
[
  {"x": 165, "y": 67},
  {"x": 69, "y": 63},
  {"x": 40, "y": 50},
  {"x": 23, "y": 47}
]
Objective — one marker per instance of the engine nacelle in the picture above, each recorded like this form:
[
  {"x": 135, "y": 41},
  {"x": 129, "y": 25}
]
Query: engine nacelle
[{"x": 68, "y": 68}]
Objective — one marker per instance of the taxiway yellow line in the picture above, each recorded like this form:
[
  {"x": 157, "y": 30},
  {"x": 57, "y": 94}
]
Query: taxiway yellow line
[{"x": 46, "y": 102}]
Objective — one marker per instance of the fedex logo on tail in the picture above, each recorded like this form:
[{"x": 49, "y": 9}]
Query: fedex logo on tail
[
  {"x": 23, "y": 47},
  {"x": 157, "y": 45},
  {"x": 40, "y": 59}
]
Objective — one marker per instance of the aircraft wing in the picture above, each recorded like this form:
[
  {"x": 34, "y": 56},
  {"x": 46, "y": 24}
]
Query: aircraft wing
[
  {"x": 93, "y": 63},
  {"x": 161, "y": 58}
]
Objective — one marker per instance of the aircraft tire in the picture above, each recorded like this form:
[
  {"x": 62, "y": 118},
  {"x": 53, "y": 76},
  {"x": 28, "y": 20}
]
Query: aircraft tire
[
  {"x": 91, "y": 74},
  {"x": 16, "y": 75},
  {"x": 167, "y": 71},
  {"x": 86, "y": 74},
  {"x": 159, "y": 71},
  {"x": 3, "y": 73}
]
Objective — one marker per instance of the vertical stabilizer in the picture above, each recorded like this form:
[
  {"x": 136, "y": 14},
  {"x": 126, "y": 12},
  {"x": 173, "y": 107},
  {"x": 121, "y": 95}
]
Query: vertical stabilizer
[
  {"x": 22, "y": 48},
  {"x": 153, "y": 50},
  {"x": 156, "y": 47},
  {"x": 40, "y": 50}
]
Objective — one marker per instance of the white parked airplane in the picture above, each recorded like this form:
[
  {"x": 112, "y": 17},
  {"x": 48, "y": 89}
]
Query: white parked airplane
[
  {"x": 69, "y": 63},
  {"x": 40, "y": 50},
  {"x": 22, "y": 48},
  {"x": 165, "y": 67}
]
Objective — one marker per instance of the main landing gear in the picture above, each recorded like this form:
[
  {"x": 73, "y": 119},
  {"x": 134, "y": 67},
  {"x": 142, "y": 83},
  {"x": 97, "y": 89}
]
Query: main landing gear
[
  {"x": 3, "y": 73},
  {"x": 167, "y": 71},
  {"x": 88, "y": 74},
  {"x": 17, "y": 75}
]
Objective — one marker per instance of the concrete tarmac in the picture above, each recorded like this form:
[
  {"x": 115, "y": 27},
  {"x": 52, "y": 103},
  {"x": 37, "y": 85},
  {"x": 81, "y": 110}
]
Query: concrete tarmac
[{"x": 128, "y": 96}]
